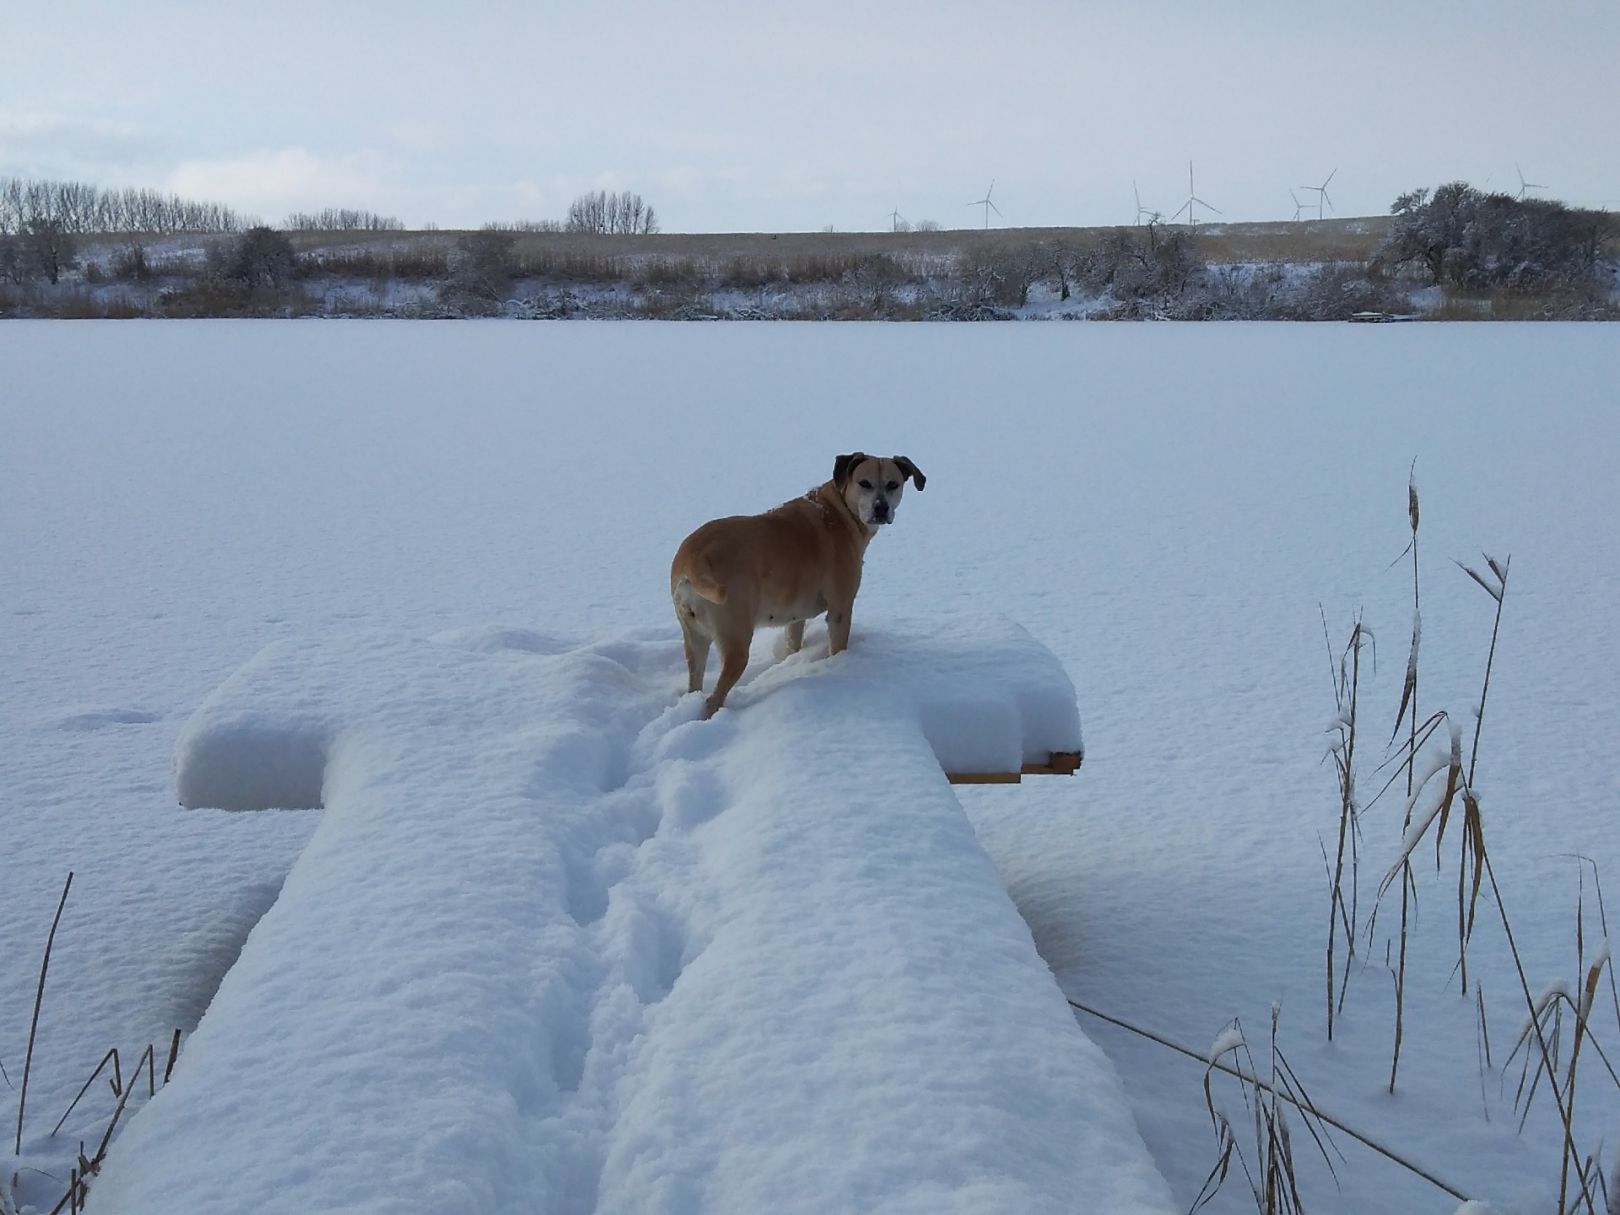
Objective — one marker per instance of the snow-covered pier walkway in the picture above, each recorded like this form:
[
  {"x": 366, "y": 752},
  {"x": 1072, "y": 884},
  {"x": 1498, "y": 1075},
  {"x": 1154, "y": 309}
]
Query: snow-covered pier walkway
[{"x": 557, "y": 945}]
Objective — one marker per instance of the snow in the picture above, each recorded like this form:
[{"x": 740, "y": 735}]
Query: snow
[
  {"x": 639, "y": 961},
  {"x": 1229, "y": 1039},
  {"x": 1165, "y": 508}
]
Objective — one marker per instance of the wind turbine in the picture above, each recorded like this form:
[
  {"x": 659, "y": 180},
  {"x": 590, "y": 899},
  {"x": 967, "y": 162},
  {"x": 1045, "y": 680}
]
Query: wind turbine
[
  {"x": 1526, "y": 185},
  {"x": 1322, "y": 194},
  {"x": 987, "y": 204},
  {"x": 1192, "y": 197},
  {"x": 1298, "y": 206},
  {"x": 894, "y": 218},
  {"x": 1152, "y": 215}
]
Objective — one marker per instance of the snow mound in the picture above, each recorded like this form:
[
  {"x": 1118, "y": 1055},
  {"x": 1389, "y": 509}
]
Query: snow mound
[{"x": 558, "y": 945}]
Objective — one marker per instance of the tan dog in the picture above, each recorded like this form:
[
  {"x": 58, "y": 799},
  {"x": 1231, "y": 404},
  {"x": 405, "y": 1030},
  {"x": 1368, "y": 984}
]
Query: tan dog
[{"x": 782, "y": 568}]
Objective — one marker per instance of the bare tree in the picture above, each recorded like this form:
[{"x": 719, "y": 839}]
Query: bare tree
[
  {"x": 523, "y": 225},
  {"x": 48, "y": 247},
  {"x": 621, "y": 214},
  {"x": 11, "y": 258},
  {"x": 341, "y": 219}
]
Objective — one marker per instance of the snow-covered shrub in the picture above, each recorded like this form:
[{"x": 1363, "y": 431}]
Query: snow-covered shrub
[
  {"x": 259, "y": 257},
  {"x": 130, "y": 263},
  {"x": 481, "y": 271},
  {"x": 1339, "y": 290},
  {"x": 1466, "y": 238}
]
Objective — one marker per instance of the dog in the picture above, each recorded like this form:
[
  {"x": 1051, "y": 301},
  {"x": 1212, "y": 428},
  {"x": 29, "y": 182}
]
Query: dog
[{"x": 782, "y": 568}]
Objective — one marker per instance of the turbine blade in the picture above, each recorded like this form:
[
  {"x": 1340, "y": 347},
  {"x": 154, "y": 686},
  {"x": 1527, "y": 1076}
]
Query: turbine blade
[{"x": 1329, "y": 178}]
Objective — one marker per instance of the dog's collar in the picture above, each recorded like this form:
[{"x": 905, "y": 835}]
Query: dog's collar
[{"x": 833, "y": 516}]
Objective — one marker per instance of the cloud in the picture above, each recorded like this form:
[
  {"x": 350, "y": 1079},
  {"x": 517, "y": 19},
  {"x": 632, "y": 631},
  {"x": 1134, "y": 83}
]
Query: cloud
[
  {"x": 272, "y": 183},
  {"x": 421, "y": 136},
  {"x": 37, "y": 143}
]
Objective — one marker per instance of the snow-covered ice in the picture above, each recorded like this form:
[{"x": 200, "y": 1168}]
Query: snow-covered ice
[{"x": 1168, "y": 509}]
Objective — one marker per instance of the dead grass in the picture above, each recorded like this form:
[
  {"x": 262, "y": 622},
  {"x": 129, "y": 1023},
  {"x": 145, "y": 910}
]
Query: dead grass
[
  {"x": 1344, "y": 908},
  {"x": 1557, "y": 1032},
  {"x": 1501, "y": 305},
  {"x": 1333, "y": 240},
  {"x": 1282, "y": 1086},
  {"x": 85, "y": 1166},
  {"x": 1330, "y": 240}
]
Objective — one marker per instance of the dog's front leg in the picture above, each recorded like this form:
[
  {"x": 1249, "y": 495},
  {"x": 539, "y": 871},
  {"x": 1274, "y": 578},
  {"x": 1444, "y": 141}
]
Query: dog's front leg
[
  {"x": 793, "y": 638},
  {"x": 838, "y": 628}
]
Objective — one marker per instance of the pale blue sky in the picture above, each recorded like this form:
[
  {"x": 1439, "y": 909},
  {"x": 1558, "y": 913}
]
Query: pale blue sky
[{"x": 760, "y": 116}]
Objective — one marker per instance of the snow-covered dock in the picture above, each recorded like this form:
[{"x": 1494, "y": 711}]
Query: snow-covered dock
[{"x": 558, "y": 945}]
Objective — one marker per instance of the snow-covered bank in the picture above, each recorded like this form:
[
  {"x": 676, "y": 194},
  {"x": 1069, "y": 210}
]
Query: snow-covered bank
[{"x": 558, "y": 945}]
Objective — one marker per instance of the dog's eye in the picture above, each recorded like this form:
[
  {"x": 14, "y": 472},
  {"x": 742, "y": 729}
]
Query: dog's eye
[
  {"x": 866, "y": 485},
  {"x": 892, "y": 486}
]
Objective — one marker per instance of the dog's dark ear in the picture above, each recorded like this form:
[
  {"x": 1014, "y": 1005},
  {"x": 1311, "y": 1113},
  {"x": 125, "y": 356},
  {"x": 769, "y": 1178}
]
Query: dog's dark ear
[
  {"x": 911, "y": 470},
  {"x": 843, "y": 464}
]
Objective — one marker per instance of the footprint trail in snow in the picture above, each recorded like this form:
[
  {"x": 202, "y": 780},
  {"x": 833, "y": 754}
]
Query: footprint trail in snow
[{"x": 557, "y": 945}]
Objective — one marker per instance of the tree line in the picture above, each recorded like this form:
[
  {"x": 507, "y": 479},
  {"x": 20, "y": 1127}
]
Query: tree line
[
  {"x": 80, "y": 208},
  {"x": 1491, "y": 253}
]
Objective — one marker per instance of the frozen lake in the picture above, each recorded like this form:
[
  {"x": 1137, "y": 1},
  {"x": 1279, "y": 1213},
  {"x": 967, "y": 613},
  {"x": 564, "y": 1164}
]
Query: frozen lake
[{"x": 1169, "y": 508}]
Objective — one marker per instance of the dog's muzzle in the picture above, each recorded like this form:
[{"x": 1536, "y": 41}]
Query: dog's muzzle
[{"x": 881, "y": 512}]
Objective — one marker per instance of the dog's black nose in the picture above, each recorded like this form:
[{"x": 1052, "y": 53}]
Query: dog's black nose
[{"x": 880, "y": 509}]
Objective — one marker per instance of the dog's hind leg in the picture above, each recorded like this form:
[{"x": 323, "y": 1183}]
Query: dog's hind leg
[
  {"x": 693, "y": 637},
  {"x": 733, "y": 662},
  {"x": 697, "y": 648}
]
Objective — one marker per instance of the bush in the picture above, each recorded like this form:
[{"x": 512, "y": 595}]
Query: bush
[
  {"x": 231, "y": 298},
  {"x": 260, "y": 257},
  {"x": 1338, "y": 291},
  {"x": 1155, "y": 272},
  {"x": 410, "y": 264},
  {"x": 876, "y": 279},
  {"x": 129, "y": 263},
  {"x": 481, "y": 271}
]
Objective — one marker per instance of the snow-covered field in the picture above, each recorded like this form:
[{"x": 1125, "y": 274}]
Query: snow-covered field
[{"x": 1165, "y": 507}]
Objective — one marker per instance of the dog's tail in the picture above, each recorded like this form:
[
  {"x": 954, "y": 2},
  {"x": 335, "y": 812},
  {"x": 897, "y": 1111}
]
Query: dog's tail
[{"x": 700, "y": 581}]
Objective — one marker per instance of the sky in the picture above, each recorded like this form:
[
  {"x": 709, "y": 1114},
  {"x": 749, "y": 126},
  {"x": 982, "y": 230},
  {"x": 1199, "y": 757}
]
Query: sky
[{"x": 739, "y": 116}]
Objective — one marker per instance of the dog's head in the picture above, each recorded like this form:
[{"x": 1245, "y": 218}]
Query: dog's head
[{"x": 871, "y": 485}]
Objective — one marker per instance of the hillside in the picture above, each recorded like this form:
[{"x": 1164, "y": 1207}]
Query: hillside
[
  {"x": 1351, "y": 239},
  {"x": 1309, "y": 270}
]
